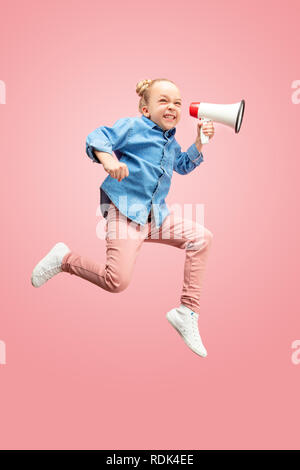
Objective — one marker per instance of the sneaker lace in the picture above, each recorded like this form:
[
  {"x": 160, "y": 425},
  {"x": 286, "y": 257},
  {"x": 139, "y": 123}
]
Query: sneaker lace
[{"x": 194, "y": 328}]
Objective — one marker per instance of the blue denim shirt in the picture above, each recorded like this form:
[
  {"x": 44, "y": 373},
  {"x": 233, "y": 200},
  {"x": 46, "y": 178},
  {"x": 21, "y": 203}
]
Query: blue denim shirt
[{"x": 151, "y": 154}]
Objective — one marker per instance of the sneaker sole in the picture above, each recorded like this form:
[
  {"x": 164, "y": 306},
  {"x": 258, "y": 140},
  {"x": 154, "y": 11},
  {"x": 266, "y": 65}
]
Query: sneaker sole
[{"x": 170, "y": 319}]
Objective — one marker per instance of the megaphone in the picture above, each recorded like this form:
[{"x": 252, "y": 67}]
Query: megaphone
[{"x": 228, "y": 114}]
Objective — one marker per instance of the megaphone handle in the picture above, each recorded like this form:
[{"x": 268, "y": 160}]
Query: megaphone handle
[{"x": 204, "y": 138}]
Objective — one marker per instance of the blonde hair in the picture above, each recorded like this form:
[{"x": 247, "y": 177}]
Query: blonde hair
[{"x": 143, "y": 89}]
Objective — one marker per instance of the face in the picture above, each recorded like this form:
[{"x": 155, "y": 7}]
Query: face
[{"x": 164, "y": 100}]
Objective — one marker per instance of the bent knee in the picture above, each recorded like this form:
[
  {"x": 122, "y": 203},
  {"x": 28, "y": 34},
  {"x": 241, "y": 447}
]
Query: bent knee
[
  {"x": 118, "y": 285},
  {"x": 202, "y": 239},
  {"x": 208, "y": 235}
]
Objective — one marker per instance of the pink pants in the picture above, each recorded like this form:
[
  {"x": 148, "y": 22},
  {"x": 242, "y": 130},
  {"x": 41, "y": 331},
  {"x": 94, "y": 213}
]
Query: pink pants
[{"x": 124, "y": 239}]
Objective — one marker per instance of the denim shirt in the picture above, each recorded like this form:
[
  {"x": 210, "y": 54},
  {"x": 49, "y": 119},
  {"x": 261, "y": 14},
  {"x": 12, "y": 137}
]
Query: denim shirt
[{"x": 151, "y": 154}]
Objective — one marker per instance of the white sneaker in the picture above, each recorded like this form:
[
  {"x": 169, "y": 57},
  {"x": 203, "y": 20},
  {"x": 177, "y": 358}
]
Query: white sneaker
[
  {"x": 49, "y": 265},
  {"x": 185, "y": 321}
]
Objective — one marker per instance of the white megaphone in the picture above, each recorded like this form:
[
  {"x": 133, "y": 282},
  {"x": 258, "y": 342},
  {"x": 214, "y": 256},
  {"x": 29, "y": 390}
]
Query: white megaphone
[{"x": 228, "y": 114}]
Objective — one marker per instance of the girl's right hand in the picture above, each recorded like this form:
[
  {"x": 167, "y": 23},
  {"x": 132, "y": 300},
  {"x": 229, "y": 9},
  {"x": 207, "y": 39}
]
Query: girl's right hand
[{"x": 116, "y": 169}]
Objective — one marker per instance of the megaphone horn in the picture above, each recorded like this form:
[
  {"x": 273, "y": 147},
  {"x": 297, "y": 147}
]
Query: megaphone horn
[{"x": 228, "y": 114}]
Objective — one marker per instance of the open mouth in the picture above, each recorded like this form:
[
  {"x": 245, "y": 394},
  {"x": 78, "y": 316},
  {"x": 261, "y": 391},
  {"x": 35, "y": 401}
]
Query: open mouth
[{"x": 169, "y": 117}]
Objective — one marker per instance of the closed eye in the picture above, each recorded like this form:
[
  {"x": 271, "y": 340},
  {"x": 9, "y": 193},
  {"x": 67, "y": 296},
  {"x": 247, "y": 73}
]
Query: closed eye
[{"x": 178, "y": 102}]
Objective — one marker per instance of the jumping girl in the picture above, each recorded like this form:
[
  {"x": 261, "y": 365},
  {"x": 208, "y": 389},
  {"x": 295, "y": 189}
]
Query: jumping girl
[{"x": 132, "y": 200}]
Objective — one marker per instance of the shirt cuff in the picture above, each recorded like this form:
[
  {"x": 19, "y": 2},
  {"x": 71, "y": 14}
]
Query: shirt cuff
[
  {"x": 194, "y": 155},
  {"x": 89, "y": 151}
]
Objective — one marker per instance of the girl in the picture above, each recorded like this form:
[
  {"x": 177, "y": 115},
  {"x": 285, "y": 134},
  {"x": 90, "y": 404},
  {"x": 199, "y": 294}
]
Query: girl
[{"x": 132, "y": 199}]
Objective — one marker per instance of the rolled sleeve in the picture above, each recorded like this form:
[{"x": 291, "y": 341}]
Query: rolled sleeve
[
  {"x": 91, "y": 154},
  {"x": 108, "y": 139},
  {"x": 185, "y": 162},
  {"x": 194, "y": 154}
]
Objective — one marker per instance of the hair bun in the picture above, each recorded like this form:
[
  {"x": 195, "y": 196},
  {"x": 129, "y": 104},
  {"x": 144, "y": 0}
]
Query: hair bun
[{"x": 142, "y": 86}]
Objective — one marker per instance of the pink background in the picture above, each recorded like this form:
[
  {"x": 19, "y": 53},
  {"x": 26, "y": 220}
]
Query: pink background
[{"x": 86, "y": 369}]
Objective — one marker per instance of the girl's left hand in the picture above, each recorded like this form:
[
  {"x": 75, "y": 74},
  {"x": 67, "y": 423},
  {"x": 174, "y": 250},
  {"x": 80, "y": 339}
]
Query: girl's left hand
[{"x": 208, "y": 129}]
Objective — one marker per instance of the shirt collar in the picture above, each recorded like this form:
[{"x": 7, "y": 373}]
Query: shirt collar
[{"x": 152, "y": 124}]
